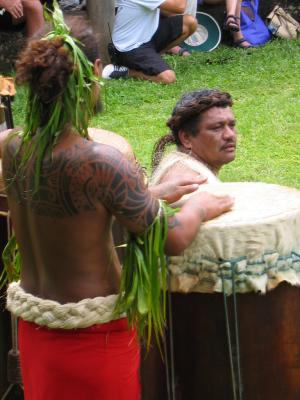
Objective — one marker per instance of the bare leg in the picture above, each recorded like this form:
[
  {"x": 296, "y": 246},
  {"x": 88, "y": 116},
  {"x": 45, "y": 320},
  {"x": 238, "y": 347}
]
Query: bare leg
[
  {"x": 238, "y": 36},
  {"x": 233, "y": 7},
  {"x": 33, "y": 12},
  {"x": 168, "y": 76},
  {"x": 189, "y": 26},
  {"x": 165, "y": 77}
]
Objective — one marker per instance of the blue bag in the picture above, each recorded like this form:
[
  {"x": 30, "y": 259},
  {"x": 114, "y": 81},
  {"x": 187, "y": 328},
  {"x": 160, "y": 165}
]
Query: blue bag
[{"x": 253, "y": 27}]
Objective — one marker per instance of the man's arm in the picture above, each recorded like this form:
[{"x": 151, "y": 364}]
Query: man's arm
[
  {"x": 169, "y": 7},
  {"x": 184, "y": 226},
  {"x": 125, "y": 194}
]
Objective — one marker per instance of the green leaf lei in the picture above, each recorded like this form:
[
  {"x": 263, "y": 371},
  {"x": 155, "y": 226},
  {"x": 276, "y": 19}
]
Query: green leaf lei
[{"x": 144, "y": 278}]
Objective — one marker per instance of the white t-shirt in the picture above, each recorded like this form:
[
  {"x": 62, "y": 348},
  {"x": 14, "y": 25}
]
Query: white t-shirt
[{"x": 135, "y": 23}]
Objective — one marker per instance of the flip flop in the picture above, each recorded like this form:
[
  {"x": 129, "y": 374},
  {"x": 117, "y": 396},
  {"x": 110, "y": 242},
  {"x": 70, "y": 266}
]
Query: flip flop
[
  {"x": 181, "y": 52},
  {"x": 238, "y": 44}
]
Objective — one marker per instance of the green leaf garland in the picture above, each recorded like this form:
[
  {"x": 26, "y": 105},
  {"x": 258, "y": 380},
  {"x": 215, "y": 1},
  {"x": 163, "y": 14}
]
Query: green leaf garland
[{"x": 144, "y": 278}]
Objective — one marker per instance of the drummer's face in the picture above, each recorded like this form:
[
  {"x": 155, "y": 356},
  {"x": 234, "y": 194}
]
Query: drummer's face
[{"x": 215, "y": 141}]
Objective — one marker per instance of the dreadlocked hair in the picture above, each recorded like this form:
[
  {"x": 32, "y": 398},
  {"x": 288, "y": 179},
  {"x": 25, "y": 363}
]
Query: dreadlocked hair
[
  {"x": 59, "y": 78},
  {"x": 186, "y": 117},
  {"x": 45, "y": 66}
]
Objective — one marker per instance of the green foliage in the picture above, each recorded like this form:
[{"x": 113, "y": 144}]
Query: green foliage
[
  {"x": 144, "y": 278},
  {"x": 11, "y": 262}
]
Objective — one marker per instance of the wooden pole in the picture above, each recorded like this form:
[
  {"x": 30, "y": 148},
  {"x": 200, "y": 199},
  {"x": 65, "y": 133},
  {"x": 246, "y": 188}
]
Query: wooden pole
[{"x": 101, "y": 14}]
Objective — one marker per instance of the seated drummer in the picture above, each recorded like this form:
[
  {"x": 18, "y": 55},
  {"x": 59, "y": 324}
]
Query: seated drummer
[{"x": 202, "y": 127}]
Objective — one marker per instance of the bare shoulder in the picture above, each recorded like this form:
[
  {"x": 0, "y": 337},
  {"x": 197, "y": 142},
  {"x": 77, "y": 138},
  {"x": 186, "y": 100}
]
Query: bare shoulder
[
  {"x": 84, "y": 177},
  {"x": 113, "y": 139},
  {"x": 8, "y": 139}
]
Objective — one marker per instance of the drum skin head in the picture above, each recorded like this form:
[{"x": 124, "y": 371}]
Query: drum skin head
[{"x": 256, "y": 244}]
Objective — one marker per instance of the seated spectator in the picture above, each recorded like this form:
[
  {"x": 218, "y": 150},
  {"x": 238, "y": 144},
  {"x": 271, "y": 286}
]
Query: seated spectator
[
  {"x": 143, "y": 29},
  {"x": 18, "y": 11},
  {"x": 232, "y": 22}
]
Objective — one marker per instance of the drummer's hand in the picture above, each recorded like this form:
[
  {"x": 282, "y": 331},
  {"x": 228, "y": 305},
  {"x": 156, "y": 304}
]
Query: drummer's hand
[
  {"x": 171, "y": 191},
  {"x": 211, "y": 205}
]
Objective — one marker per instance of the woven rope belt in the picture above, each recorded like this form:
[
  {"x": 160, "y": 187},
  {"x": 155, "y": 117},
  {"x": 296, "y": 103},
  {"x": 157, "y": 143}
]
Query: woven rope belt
[{"x": 49, "y": 313}]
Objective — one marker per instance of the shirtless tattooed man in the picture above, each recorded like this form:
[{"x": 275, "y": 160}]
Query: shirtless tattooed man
[{"x": 64, "y": 189}]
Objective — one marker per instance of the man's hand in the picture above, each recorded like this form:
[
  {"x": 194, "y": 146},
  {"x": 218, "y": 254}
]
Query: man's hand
[
  {"x": 14, "y": 7},
  {"x": 184, "y": 225},
  {"x": 209, "y": 205},
  {"x": 171, "y": 191}
]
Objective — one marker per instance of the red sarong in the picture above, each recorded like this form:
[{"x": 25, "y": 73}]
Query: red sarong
[{"x": 96, "y": 363}]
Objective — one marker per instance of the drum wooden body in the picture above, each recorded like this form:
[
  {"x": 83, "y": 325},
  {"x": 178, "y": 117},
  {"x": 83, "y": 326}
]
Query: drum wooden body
[
  {"x": 260, "y": 259},
  {"x": 269, "y": 334},
  {"x": 5, "y": 329}
]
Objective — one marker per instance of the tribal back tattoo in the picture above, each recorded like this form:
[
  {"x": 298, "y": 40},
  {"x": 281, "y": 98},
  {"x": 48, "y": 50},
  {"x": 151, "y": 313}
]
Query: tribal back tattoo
[{"x": 78, "y": 179}]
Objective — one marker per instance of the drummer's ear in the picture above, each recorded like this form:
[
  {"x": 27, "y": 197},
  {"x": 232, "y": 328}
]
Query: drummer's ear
[
  {"x": 98, "y": 67},
  {"x": 184, "y": 139}
]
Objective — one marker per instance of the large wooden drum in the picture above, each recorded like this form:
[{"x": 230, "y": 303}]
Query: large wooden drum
[
  {"x": 234, "y": 327},
  {"x": 5, "y": 324}
]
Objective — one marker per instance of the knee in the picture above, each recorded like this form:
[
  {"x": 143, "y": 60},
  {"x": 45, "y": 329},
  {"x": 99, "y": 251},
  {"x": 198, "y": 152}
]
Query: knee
[
  {"x": 167, "y": 77},
  {"x": 32, "y": 6},
  {"x": 190, "y": 24}
]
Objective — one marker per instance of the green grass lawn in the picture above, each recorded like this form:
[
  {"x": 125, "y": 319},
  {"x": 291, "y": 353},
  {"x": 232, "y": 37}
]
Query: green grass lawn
[{"x": 265, "y": 85}]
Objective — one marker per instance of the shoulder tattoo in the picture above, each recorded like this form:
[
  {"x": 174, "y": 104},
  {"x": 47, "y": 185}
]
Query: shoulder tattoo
[{"x": 78, "y": 179}]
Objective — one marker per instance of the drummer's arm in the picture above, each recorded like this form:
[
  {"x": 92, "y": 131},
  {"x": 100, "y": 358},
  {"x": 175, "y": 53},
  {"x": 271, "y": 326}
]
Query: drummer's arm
[
  {"x": 198, "y": 208},
  {"x": 124, "y": 193}
]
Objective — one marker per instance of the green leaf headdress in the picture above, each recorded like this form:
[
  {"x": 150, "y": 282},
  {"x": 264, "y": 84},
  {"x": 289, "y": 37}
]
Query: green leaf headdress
[{"x": 74, "y": 105}]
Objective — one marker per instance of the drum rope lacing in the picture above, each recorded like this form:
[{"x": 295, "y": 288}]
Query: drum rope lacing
[
  {"x": 170, "y": 369},
  {"x": 233, "y": 348}
]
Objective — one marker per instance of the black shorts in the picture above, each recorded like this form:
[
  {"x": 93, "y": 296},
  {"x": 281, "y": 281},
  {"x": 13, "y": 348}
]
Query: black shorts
[
  {"x": 5, "y": 20},
  {"x": 146, "y": 58},
  {"x": 8, "y": 24}
]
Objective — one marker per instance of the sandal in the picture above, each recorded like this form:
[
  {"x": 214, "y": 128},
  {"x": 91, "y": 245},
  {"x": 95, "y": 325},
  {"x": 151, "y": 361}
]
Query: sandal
[
  {"x": 239, "y": 44},
  {"x": 180, "y": 51},
  {"x": 232, "y": 23}
]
